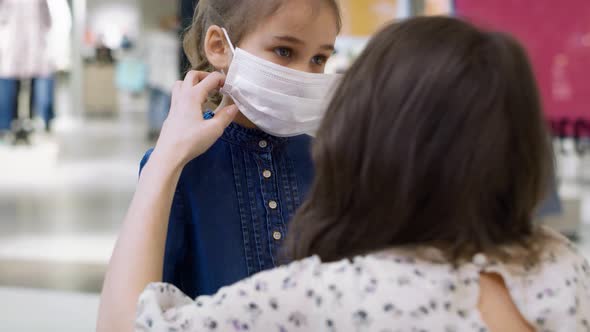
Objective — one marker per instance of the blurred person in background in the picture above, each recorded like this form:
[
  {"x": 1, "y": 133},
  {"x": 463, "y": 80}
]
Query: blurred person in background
[
  {"x": 163, "y": 64},
  {"x": 25, "y": 54},
  {"x": 104, "y": 54},
  {"x": 420, "y": 215}
]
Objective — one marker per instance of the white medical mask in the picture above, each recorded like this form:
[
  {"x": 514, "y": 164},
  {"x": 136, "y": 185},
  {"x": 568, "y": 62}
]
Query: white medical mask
[{"x": 280, "y": 101}]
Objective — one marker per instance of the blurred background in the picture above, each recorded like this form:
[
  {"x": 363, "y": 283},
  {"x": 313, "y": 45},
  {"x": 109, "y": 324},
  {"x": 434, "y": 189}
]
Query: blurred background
[{"x": 85, "y": 87}]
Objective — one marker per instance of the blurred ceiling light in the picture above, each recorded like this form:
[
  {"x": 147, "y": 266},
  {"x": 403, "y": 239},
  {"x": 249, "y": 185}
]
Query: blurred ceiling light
[{"x": 110, "y": 21}]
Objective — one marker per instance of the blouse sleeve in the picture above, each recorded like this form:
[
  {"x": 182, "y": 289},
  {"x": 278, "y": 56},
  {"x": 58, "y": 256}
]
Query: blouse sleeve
[{"x": 266, "y": 299}]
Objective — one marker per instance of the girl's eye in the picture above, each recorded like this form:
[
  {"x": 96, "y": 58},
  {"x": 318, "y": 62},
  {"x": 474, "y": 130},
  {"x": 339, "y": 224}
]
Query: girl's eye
[
  {"x": 283, "y": 52},
  {"x": 319, "y": 60}
]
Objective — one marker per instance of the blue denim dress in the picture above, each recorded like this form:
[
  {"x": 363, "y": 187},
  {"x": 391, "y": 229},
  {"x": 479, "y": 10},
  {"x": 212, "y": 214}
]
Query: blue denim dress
[{"x": 232, "y": 206}]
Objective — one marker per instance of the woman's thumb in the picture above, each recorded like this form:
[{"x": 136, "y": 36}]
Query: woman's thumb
[{"x": 226, "y": 115}]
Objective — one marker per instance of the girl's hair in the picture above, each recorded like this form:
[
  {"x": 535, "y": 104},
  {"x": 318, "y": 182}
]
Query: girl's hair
[
  {"x": 435, "y": 138},
  {"x": 239, "y": 17}
]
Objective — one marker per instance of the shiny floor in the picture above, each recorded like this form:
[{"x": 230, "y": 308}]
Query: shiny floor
[
  {"x": 61, "y": 202},
  {"x": 63, "y": 198}
]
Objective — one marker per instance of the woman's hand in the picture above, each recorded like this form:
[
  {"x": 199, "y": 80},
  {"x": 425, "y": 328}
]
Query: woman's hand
[
  {"x": 138, "y": 256},
  {"x": 185, "y": 134}
]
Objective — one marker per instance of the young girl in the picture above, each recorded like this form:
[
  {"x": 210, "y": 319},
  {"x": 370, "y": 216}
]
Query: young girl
[{"x": 232, "y": 204}]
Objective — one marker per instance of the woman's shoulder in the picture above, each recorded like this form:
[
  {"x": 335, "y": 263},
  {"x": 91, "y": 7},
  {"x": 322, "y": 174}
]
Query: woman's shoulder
[
  {"x": 557, "y": 246},
  {"x": 561, "y": 259},
  {"x": 549, "y": 253},
  {"x": 560, "y": 285}
]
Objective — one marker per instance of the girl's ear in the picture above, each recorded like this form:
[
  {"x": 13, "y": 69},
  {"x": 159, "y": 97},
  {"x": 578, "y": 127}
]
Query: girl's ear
[{"x": 217, "y": 48}]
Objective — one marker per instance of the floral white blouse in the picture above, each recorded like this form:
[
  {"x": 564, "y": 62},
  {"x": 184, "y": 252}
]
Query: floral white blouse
[{"x": 386, "y": 292}]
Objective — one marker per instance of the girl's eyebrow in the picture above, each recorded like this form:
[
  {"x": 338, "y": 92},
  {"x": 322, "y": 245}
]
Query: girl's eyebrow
[
  {"x": 295, "y": 40},
  {"x": 289, "y": 39},
  {"x": 328, "y": 47}
]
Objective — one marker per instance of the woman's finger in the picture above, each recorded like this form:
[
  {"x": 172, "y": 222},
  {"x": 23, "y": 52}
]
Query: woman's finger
[
  {"x": 225, "y": 116},
  {"x": 193, "y": 78},
  {"x": 212, "y": 82}
]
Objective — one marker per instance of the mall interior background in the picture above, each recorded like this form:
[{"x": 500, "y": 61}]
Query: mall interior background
[{"x": 64, "y": 191}]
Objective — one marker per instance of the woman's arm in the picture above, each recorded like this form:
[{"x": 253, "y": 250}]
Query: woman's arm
[{"x": 138, "y": 255}]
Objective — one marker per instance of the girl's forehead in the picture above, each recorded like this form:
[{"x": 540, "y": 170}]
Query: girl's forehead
[{"x": 304, "y": 19}]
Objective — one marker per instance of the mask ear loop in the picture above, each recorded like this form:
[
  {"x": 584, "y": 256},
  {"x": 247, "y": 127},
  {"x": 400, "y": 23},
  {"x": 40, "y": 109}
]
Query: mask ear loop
[
  {"x": 225, "y": 99},
  {"x": 228, "y": 40}
]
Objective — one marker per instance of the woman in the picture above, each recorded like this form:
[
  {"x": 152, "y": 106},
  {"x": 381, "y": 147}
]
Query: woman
[{"x": 430, "y": 162}]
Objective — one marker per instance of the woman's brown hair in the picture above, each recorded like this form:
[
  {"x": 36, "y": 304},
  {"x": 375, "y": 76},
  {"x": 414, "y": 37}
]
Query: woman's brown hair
[{"x": 434, "y": 138}]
